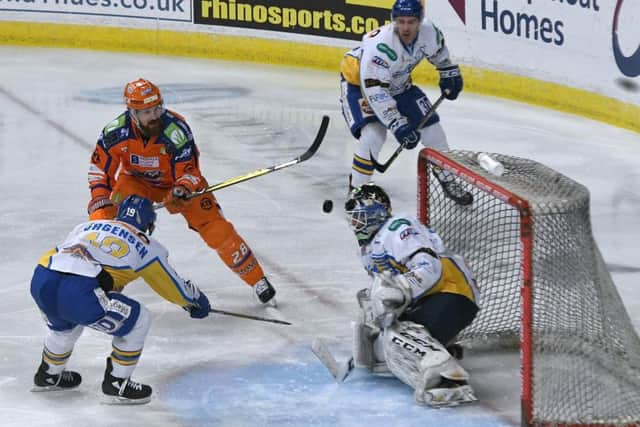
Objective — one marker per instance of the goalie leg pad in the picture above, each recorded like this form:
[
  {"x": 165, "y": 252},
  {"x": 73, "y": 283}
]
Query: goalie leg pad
[
  {"x": 367, "y": 348},
  {"x": 421, "y": 362},
  {"x": 363, "y": 337}
]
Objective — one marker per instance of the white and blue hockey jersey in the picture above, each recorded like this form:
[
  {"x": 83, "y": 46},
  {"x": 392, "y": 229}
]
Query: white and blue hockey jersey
[
  {"x": 404, "y": 246},
  {"x": 382, "y": 65},
  {"x": 125, "y": 253}
]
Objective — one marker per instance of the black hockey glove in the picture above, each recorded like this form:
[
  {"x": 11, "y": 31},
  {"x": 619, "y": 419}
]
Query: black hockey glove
[
  {"x": 202, "y": 307},
  {"x": 451, "y": 83},
  {"x": 405, "y": 133}
]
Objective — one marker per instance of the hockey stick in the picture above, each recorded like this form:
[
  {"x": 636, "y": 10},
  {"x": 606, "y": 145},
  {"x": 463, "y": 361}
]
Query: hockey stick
[
  {"x": 384, "y": 166},
  {"x": 339, "y": 370},
  {"x": 264, "y": 171},
  {"x": 248, "y": 316}
]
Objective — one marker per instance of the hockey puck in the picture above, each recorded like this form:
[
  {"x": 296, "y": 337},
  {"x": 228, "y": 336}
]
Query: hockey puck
[
  {"x": 327, "y": 206},
  {"x": 628, "y": 85}
]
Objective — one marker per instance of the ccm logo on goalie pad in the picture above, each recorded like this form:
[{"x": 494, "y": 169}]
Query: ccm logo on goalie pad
[{"x": 411, "y": 347}]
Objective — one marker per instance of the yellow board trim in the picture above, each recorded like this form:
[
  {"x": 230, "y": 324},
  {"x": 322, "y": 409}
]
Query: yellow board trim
[{"x": 201, "y": 45}]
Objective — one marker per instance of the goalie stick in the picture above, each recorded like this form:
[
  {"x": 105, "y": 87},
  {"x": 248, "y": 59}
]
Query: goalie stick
[
  {"x": 384, "y": 166},
  {"x": 339, "y": 370},
  {"x": 264, "y": 171}
]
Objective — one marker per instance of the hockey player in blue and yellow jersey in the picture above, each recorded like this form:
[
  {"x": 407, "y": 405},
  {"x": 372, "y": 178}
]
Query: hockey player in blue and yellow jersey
[
  {"x": 378, "y": 94},
  {"x": 78, "y": 284}
]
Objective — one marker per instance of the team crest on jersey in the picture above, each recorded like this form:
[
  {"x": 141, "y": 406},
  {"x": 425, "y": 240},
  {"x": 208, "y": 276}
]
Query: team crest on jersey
[{"x": 145, "y": 162}]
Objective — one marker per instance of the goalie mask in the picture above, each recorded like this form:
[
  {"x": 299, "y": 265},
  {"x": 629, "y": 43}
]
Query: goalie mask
[{"x": 367, "y": 210}]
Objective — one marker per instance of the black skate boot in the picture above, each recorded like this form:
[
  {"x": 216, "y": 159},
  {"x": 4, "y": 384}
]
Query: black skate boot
[
  {"x": 265, "y": 292},
  {"x": 452, "y": 189},
  {"x": 48, "y": 382},
  {"x": 123, "y": 391}
]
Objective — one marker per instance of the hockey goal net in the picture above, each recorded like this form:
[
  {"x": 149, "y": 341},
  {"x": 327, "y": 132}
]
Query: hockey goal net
[{"x": 544, "y": 285}]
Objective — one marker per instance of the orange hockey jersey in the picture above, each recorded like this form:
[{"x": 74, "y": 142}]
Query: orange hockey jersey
[{"x": 159, "y": 161}]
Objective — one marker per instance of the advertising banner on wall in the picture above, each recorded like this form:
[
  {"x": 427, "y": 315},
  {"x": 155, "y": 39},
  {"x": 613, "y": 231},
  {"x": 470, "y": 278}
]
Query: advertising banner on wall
[
  {"x": 340, "y": 19},
  {"x": 162, "y": 10},
  {"x": 588, "y": 44}
]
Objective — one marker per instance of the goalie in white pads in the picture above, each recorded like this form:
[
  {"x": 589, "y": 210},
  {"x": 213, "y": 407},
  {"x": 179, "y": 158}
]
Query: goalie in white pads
[
  {"x": 78, "y": 284},
  {"x": 420, "y": 299}
]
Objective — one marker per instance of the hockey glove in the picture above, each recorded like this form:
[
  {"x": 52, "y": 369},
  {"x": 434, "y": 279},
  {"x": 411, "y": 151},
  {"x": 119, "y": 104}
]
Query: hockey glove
[
  {"x": 101, "y": 207},
  {"x": 388, "y": 300},
  {"x": 405, "y": 133},
  {"x": 451, "y": 81},
  {"x": 177, "y": 199},
  {"x": 201, "y": 309}
]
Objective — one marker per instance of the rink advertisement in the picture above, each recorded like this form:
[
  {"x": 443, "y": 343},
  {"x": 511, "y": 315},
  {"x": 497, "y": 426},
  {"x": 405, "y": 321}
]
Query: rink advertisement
[
  {"x": 162, "y": 10},
  {"x": 340, "y": 19},
  {"x": 590, "y": 44},
  {"x": 578, "y": 56}
]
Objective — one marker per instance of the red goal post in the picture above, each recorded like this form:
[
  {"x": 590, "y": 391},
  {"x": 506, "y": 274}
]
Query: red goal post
[{"x": 527, "y": 237}]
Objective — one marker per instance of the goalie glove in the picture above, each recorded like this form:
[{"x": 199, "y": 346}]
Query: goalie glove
[{"x": 389, "y": 297}]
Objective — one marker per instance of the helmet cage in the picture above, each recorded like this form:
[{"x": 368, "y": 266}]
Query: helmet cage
[
  {"x": 367, "y": 210},
  {"x": 365, "y": 218}
]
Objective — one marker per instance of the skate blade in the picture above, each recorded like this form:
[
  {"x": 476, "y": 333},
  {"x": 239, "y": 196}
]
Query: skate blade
[
  {"x": 117, "y": 400},
  {"x": 38, "y": 389},
  {"x": 272, "y": 303}
]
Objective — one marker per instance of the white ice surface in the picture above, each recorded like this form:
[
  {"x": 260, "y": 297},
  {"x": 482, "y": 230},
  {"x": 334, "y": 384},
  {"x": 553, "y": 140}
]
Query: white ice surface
[{"x": 225, "y": 371}]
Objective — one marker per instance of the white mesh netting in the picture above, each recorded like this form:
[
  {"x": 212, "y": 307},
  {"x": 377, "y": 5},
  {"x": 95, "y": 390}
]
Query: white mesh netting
[{"x": 586, "y": 354}]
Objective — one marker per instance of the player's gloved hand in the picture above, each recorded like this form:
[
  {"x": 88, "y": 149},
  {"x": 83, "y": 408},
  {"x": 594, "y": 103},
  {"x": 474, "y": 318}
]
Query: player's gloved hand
[
  {"x": 387, "y": 300},
  {"x": 451, "y": 83},
  {"x": 177, "y": 199},
  {"x": 405, "y": 133},
  {"x": 101, "y": 207},
  {"x": 201, "y": 309}
]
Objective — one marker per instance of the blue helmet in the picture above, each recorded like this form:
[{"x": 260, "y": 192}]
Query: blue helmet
[
  {"x": 367, "y": 210},
  {"x": 139, "y": 212},
  {"x": 407, "y": 8}
]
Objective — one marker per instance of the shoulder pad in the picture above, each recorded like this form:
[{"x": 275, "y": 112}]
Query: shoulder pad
[{"x": 115, "y": 131}]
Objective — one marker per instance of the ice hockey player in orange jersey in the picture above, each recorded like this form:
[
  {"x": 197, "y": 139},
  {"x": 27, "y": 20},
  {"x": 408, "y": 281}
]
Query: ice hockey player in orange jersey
[{"x": 150, "y": 151}]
